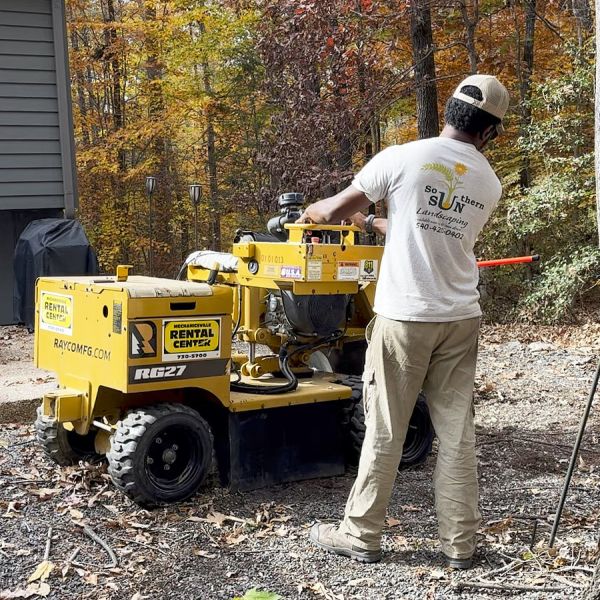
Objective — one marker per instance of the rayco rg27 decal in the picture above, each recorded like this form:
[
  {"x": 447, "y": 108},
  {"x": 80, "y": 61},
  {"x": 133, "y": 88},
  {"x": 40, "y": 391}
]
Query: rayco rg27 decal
[
  {"x": 56, "y": 313},
  {"x": 191, "y": 339},
  {"x": 154, "y": 373},
  {"x": 141, "y": 374},
  {"x": 142, "y": 339}
]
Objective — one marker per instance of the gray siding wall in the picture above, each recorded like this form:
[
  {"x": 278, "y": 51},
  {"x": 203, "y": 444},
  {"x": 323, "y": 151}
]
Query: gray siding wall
[
  {"x": 37, "y": 171},
  {"x": 36, "y": 147}
]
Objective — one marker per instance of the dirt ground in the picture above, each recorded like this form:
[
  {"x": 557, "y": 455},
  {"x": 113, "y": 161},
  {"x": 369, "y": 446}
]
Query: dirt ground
[{"x": 531, "y": 388}]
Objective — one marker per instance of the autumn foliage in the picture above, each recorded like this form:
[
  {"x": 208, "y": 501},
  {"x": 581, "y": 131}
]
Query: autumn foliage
[{"x": 255, "y": 98}]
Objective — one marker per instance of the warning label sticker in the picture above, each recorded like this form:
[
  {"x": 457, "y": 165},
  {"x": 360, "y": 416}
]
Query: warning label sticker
[
  {"x": 56, "y": 313},
  {"x": 348, "y": 271},
  {"x": 191, "y": 339},
  {"x": 314, "y": 270}
]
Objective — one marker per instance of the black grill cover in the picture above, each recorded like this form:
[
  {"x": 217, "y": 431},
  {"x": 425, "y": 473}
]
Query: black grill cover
[{"x": 48, "y": 247}]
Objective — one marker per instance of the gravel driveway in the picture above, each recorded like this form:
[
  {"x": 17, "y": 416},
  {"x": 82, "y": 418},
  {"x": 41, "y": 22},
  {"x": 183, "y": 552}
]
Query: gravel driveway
[{"x": 532, "y": 385}]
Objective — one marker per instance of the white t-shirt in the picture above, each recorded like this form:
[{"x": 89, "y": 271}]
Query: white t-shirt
[{"x": 440, "y": 192}]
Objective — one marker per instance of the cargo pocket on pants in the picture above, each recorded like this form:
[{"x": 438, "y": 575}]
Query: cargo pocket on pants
[
  {"x": 368, "y": 379},
  {"x": 369, "y": 329}
]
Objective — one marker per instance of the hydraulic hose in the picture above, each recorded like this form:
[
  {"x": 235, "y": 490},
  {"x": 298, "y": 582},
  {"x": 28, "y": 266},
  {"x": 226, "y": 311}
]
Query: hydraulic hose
[
  {"x": 284, "y": 367},
  {"x": 290, "y": 386},
  {"x": 239, "y": 316}
]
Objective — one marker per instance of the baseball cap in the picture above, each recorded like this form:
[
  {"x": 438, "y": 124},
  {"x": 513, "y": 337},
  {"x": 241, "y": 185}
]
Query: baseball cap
[{"x": 495, "y": 96}]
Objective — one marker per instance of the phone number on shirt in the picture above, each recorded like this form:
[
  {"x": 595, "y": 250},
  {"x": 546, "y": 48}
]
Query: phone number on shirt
[{"x": 442, "y": 230}]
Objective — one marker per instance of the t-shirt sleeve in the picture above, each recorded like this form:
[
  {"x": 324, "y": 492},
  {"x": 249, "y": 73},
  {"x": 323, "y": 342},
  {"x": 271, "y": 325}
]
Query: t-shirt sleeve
[{"x": 375, "y": 177}]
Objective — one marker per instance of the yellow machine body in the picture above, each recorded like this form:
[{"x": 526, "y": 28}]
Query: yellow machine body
[
  {"x": 116, "y": 342},
  {"x": 309, "y": 267},
  {"x": 332, "y": 263},
  {"x": 112, "y": 342},
  {"x": 129, "y": 345}
]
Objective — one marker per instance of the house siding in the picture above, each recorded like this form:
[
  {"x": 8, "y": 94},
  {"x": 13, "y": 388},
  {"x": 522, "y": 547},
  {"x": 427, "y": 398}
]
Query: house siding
[{"x": 37, "y": 171}]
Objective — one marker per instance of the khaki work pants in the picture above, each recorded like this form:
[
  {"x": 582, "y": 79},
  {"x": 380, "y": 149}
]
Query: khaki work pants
[{"x": 402, "y": 358}]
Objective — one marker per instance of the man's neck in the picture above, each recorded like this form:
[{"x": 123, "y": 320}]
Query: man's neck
[{"x": 461, "y": 136}]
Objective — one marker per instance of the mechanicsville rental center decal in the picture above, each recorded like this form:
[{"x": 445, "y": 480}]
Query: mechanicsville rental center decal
[
  {"x": 56, "y": 313},
  {"x": 191, "y": 339}
]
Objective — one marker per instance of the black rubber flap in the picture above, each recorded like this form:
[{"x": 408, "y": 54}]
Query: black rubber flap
[{"x": 285, "y": 444}]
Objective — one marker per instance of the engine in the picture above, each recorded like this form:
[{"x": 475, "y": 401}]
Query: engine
[{"x": 306, "y": 316}]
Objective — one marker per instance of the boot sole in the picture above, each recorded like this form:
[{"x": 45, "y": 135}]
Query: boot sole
[
  {"x": 356, "y": 555},
  {"x": 461, "y": 564}
]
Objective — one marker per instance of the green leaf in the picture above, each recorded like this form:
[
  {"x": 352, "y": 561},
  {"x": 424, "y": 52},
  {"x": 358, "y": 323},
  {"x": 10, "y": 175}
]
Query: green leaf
[
  {"x": 255, "y": 594},
  {"x": 445, "y": 171}
]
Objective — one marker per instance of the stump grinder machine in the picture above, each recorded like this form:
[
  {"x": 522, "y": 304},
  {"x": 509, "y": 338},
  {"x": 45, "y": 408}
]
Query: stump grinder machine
[{"x": 249, "y": 366}]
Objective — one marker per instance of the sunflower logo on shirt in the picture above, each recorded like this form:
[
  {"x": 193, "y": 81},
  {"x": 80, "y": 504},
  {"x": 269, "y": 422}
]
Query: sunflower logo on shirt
[{"x": 452, "y": 179}]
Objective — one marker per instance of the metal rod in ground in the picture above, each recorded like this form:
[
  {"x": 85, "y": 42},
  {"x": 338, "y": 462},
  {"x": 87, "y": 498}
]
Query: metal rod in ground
[
  {"x": 574, "y": 454},
  {"x": 48, "y": 544}
]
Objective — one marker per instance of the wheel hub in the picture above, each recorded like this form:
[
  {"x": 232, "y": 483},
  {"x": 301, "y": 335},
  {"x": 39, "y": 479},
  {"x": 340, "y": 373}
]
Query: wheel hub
[
  {"x": 169, "y": 456},
  {"x": 173, "y": 456}
]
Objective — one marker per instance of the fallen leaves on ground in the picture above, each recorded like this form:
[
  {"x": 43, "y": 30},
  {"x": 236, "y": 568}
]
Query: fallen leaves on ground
[
  {"x": 320, "y": 590},
  {"x": 255, "y": 594},
  {"x": 41, "y": 572},
  {"x": 35, "y": 589}
]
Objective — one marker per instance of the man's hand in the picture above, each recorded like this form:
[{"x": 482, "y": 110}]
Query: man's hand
[
  {"x": 304, "y": 218},
  {"x": 358, "y": 219},
  {"x": 335, "y": 208}
]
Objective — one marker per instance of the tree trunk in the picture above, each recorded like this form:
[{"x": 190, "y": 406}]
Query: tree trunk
[
  {"x": 525, "y": 73},
  {"x": 597, "y": 116},
  {"x": 470, "y": 27},
  {"x": 160, "y": 150},
  {"x": 112, "y": 55},
  {"x": 422, "y": 46},
  {"x": 80, "y": 90},
  {"x": 583, "y": 16}
]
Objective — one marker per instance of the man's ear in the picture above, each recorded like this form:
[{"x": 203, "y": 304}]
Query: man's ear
[{"x": 488, "y": 133}]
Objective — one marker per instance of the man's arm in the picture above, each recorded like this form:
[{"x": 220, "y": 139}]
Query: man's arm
[{"x": 336, "y": 208}]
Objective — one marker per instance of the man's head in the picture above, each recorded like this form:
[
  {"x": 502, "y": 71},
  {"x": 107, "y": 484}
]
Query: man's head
[{"x": 477, "y": 107}]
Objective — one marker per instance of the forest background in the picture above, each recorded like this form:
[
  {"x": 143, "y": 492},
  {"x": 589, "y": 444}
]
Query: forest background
[{"x": 251, "y": 99}]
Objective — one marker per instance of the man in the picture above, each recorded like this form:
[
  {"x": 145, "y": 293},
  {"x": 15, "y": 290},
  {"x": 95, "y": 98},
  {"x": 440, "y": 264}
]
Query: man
[{"x": 439, "y": 193}]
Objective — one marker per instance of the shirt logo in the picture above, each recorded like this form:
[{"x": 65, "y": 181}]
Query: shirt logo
[{"x": 447, "y": 199}]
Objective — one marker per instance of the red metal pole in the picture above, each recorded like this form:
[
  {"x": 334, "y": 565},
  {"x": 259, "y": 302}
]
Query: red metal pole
[{"x": 508, "y": 261}]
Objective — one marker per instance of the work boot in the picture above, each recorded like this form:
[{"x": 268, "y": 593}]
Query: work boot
[
  {"x": 329, "y": 538},
  {"x": 458, "y": 563}
]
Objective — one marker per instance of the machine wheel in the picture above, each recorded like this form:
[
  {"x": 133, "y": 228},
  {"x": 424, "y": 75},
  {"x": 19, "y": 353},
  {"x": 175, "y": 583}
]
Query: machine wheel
[
  {"x": 160, "y": 454},
  {"x": 62, "y": 446},
  {"x": 350, "y": 359},
  {"x": 419, "y": 437}
]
